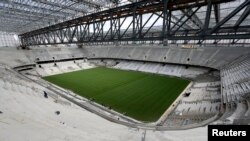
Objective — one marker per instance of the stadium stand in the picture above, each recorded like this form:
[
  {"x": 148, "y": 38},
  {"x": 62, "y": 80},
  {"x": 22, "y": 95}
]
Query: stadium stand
[
  {"x": 213, "y": 57},
  {"x": 165, "y": 69},
  {"x": 235, "y": 80},
  {"x": 203, "y": 102}
]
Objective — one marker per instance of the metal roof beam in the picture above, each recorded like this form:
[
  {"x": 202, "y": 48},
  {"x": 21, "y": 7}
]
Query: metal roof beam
[
  {"x": 195, "y": 19},
  {"x": 216, "y": 12},
  {"x": 243, "y": 16},
  {"x": 62, "y": 6},
  {"x": 90, "y": 3},
  {"x": 207, "y": 18},
  {"x": 186, "y": 26},
  {"x": 228, "y": 17}
]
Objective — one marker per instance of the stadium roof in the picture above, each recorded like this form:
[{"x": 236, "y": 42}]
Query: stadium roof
[
  {"x": 21, "y": 16},
  {"x": 25, "y": 15}
]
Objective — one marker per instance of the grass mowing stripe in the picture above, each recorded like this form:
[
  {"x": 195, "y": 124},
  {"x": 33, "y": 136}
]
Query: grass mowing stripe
[{"x": 141, "y": 96}]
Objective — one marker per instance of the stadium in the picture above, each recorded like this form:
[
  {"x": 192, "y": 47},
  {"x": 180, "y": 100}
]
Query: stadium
[{"x": 118, "y": 70}]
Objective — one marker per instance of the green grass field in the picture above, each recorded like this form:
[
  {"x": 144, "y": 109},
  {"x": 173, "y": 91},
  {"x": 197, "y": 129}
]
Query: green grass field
[{"x": 142, "y": 96}]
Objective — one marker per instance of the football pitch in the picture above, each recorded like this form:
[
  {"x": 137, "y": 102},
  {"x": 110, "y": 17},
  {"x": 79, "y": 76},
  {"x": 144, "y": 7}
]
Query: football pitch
[{"x": 142, "y": 96}]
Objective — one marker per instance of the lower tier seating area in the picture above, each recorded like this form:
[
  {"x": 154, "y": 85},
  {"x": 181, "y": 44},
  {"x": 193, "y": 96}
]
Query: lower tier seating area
[
  {"x": 59, "y": 67},
  {"x": 165, "y": 69},
  {"x": 198, "y": 104},
  {"x": 13, "y": 83},
  {"x": 235, "y": 79}
]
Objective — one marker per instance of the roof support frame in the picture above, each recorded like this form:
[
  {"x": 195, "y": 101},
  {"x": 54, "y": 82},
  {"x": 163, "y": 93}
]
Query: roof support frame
[{"x": 90, "y": 28}]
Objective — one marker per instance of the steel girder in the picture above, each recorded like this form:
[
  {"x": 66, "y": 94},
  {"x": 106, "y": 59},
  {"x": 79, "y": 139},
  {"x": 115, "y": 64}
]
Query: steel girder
[{"x": 137, "y": 22}]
